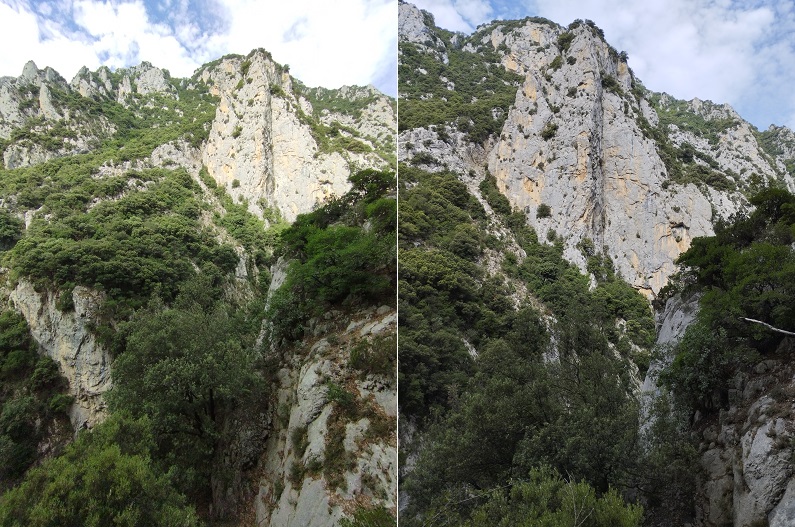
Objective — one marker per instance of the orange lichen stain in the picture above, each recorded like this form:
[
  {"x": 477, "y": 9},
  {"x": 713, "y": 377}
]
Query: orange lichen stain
[
  {"x": 533, "y": 188},
  {"x": 510, "y": 64},
  {"x": 530, "y": 89},
  {"x": 634, "y": 261},
  {"x": 684, "y": 242}
]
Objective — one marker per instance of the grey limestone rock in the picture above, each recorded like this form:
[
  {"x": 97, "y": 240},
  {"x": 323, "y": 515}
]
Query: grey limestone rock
[{"x": 66, "y": 338}]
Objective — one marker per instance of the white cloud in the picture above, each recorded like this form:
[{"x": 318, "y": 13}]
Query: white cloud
[
  {"x": 457, "y": 15},
  {"x": 326, "y": 43},
  {"x": 699, "y": 48}
]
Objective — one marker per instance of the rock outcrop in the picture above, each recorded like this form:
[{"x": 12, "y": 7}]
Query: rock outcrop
[
  {"x": 31, "y": 106},
  {"x": 283, "y": 148},
  {"x": 579, "y": 139},
  {"x": 263, "y": 149},
  {"x": 66, "y": 337},
  {"x": 640, "y": 174},
  {"x": 327, "y": 456}
]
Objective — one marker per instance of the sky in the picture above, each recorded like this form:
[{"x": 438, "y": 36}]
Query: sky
[
  {"x": 326, "y": 43},
  {"x": 740, "y": 52}
]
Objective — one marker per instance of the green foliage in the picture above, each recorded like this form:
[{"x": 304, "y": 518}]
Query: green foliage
[
  {"x": 611, "y": 84},
  {"x": 544, "y": 498},
  {"x": 334, "y": 136},
  {"x": 335, "y": 259},
  {"x": 543, "y": 211},
  {"x": 564, "y": 40},
  {"x": 473, "y": 371},
  {"x": 515, "y": 220},
  {"x": 519, "y": 412},
  {"x": 484, "y": 90},
  {"x": 103, "y": 478},
  {"x": 10, "y": 230},
  {"x": 186, "y": 368},
  {"x": 678, "y": 112},
  {"x": 496, "y": 199},
  {"x": 377, "y": 517},
  {"x": 376, "y": 356},
  {"x": 745, "y": 271},
  {"x": 32, "y": 398},
  {"x": 341, "y": 396},
  {"x": 147, "y": 241},
  {"x": 549, "y": 131}
]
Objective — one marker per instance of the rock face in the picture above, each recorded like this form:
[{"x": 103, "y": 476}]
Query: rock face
[
  {"x": 580, "y": 139},
  {"x": 325, "y": 458},
  {"x": 66, "y": 338},
  {"x": 640, "y": 174},
  {"x": 601, "y": 178},
  {"x": 262, "y": 147},
  {"x": 30, "y": 106},
  {"x": 746, "y": 455},
  {"x": 282, "y": 148}
]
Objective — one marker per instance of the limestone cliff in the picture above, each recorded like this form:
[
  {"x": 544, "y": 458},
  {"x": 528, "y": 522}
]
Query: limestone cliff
[
  {"x": 584, "y": 150},
  {"x": 328, "y": 455},
  {"x": 37, "y": 121},
  {"x": 262, "y": 146},
  {"x": 745, "y": 451},
  {"x": 640, "y": 174},
  {"x": 246, "y": 133},
  {"x": 66, "y": 337}
]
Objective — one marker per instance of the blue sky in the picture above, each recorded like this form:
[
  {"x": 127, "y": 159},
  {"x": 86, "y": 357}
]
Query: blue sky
[
  {"x": 728, "y": 51},
  {"x": 325, "y": 43}
]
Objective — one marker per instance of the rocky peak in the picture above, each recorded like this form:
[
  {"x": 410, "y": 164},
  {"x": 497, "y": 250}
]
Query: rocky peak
[
  {"x": 415, "y": 25},
  {"x": 639, "y": 174},
  {"x": 31, "y": 74},
  {"x": 265, "y": 145}
]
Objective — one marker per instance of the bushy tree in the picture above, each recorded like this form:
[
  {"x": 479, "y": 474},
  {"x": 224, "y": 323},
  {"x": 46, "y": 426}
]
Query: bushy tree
[
  {"x": 185, "y": 368},
  {"x": 104, "y": 478}
]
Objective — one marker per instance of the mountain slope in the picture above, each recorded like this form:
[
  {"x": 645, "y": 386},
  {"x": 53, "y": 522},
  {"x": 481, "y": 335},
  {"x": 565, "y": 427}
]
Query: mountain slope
[
  {"x": 147, "y": 242},
  {"x": 638, "y": 172},
  {"x": 573, "y": 160}
]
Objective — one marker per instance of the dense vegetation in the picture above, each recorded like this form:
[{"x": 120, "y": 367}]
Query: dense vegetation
[
  {"x": 162, "y": 250},
  {"x": 342, "y": 253},
  {"x": 500, "y": 383},
  {"x": 33, "y": 402},
  {"x": 472, "y": 90},
  {"x": 106, "y": 477},
  {"x": 744, "y": 273}
]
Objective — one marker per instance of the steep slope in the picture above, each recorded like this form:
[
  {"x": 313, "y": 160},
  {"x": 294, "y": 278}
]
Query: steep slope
[
  {"x": 636, "y": 172},
  {"x": 571, "y": 156},
  {"x": 137, "y": 206}
]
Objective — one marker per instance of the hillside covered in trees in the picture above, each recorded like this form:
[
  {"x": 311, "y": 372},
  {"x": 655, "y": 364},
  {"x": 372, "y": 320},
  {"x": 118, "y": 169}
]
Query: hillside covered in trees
[
  {"x": 169, "y": 303},
  {"x": 594, "y": 289}
]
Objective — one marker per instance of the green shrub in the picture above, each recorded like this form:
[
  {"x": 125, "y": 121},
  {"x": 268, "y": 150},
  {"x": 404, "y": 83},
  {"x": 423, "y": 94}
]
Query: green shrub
[
  {"x": 565, "y": 40},
  {"x": 549, "y": 131},
  {"x": 376, "y": 356},
  {"x": 363, "y": 517},
  {"x": 543, "y": 211},
  {"x": 341, "y": 396}
]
